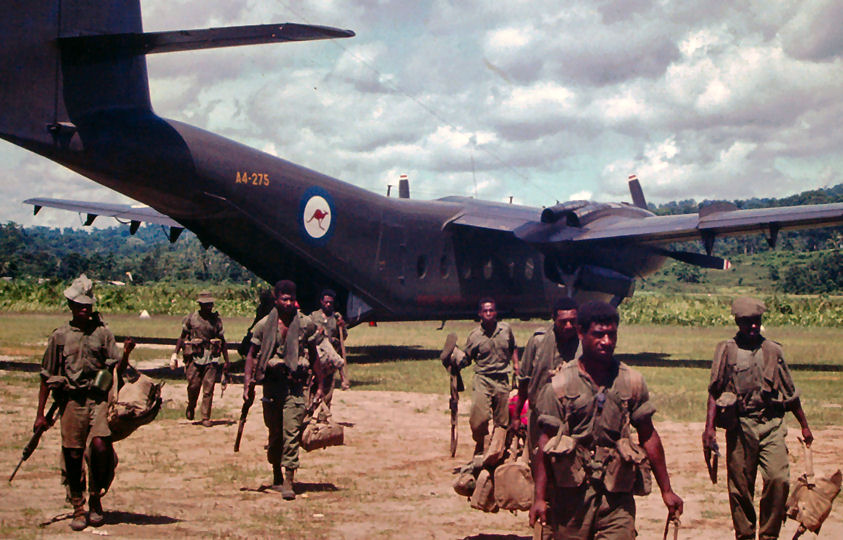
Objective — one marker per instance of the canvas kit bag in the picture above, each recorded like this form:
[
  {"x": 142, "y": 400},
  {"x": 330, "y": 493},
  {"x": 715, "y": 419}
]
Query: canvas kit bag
[
  {"x": 321, "y": 432},
  {"x": 810, "y": 498},
  {"x": 513, "y": 479},
  {"x": 136, "y": 404}
]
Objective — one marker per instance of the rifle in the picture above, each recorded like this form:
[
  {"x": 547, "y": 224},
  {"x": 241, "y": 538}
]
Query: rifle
[
  {"x": 452, "y": 365},
  {"x": 457, "y": 386},
  {"x": 36, "y": 438},
  {"x": 711, "y": 453},
  {"x": 244, "y": 412},
  {"x": 344, "y": 370}
]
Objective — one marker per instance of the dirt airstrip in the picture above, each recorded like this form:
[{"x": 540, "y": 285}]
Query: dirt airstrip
[{"x": 392, "y": 479}]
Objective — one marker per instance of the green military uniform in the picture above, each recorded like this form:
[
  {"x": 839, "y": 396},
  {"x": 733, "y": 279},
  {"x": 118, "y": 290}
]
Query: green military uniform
[
  {"x": 590, "y": 495},
  {"x": 540, "y": 361},
  {"x": 330, "y": 362},
  {"x": 283, "y": 369},
  {"x": 491, "y": 354},
  {"x": 72, "y": 359},
  {"x": 764, "y": 388},
  {"x": 201, "y": 362}
]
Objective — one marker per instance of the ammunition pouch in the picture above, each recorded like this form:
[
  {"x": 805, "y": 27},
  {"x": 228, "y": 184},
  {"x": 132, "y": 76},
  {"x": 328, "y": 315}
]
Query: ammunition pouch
[
  {"x": 627, "y": 469},
  {"x": 567, "y": 461},
  {"x": 726, "y": 415},
  {"x": 194, "y": 347},
  {"x": 483, "y": 496}
]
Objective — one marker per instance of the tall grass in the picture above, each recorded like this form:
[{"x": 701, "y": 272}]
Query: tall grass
[
  {"x": 158, "y": 298},
  {"x": 715, "y": 310}
]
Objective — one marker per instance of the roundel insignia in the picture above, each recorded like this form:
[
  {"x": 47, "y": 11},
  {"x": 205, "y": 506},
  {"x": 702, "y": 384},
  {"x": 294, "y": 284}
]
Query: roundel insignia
[{"x": 316, "y": 215}]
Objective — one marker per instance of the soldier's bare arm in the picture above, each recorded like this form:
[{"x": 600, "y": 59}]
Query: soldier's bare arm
[
  {"x": 248, "y": 373},
  {"x": 128, "y": 347},
  {"x": 318, "y": 371},
  {"x": 538, "y": 512},
  {"x": 796, "y": 408},
  {"x": 649, "y": 439},
  {"x": 43, "y": 393},
  {"x": 709, "y": 436}
]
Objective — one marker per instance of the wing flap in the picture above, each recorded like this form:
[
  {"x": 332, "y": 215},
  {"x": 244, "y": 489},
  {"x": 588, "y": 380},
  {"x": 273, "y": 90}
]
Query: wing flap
[
  {"x": 129, "y": 212},
  {"x": 665, "y": 229}
]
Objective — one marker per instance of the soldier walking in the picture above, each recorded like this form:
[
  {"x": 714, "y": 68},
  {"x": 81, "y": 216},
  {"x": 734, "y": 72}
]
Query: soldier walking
[
  {"x": 78, "y": 368},
  {"x": 586, "y": 466},
  {"x": 330, "y": 323},
  {"x": 749, "y": 392},
  {"x": 202, "y": 341},
  {"x": 547, "y": 350},
  {"x": 491, "y": 346},
  {"x": 277, "y": 358}
]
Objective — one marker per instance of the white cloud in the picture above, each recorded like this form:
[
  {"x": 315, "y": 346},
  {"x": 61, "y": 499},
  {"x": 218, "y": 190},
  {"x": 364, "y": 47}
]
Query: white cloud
[{"x": 700, "y": 99}]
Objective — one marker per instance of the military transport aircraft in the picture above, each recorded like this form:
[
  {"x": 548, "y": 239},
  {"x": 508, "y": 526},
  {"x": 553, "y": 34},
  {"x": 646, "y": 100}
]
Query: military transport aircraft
[{"x": 74, "y": 90}]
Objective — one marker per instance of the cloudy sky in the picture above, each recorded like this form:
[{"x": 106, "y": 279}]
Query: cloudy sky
[{"x": 530, "y": 99}]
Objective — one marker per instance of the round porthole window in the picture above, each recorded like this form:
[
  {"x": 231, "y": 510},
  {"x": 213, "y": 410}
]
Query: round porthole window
[{"x": 487, "y": 269}]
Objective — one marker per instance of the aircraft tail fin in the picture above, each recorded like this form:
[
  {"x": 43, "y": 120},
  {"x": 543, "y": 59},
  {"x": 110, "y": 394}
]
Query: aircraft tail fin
[
  {"x": 48, "y": 85},
  {"x": 636, "y": 192}
]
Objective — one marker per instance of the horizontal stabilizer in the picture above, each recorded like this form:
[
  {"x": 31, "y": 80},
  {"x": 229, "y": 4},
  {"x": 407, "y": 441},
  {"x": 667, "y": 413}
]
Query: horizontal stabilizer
[{"x": 131, "y": 44}]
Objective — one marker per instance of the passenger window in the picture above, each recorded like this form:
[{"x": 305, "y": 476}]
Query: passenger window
[{"x": 421, "y": 266}]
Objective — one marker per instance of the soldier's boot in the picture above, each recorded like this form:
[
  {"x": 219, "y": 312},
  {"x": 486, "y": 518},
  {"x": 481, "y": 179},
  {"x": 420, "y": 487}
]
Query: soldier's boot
[
  {"x": 80, "y": 516},
  {"x": 207, "y": 422},
  {"x": 277, "y": 477},
  {"x": 497, "y": 447},
  {"x": 287, "y": 491},
  {"x": 96, "y": 517},
  {"x": 448, "y": 350},
  {"x": 188, "y": 412}
]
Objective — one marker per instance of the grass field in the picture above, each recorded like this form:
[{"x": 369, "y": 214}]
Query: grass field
[{"x": 404, "y": 356}]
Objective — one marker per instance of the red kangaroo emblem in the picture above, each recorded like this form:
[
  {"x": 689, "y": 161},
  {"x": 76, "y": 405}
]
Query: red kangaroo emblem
[{"x": 318, "y": 215}]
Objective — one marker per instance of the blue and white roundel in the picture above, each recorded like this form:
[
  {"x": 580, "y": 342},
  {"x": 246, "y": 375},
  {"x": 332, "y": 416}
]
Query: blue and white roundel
[{"x": 316, "y": 215}]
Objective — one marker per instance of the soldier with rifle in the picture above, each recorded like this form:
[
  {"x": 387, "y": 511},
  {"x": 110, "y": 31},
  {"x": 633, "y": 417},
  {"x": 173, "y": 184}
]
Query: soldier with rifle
[
  {"x": 277, "y": 358},
  {"x": 78, "y": 368},
  {"x": 491, "y": 346},
  {"x": 749, "y": 392}
]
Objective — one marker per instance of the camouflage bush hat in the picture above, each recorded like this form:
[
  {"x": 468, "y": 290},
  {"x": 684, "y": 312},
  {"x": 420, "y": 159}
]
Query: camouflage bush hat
[
  {"x": 205, "y": 298},
  {"x": 744, "y": 306},
  {"x": 81, "y": 291}
]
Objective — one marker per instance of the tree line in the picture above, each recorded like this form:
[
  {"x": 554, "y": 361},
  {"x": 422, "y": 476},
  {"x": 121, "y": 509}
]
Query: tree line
[{"x": 113, "y": 254}]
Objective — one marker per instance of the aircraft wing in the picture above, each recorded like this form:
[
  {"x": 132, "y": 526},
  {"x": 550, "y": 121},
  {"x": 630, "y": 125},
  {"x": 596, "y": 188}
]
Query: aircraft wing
[
  {"x": 720, "y": 220},
  {"x": 135, "y": 213}
]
